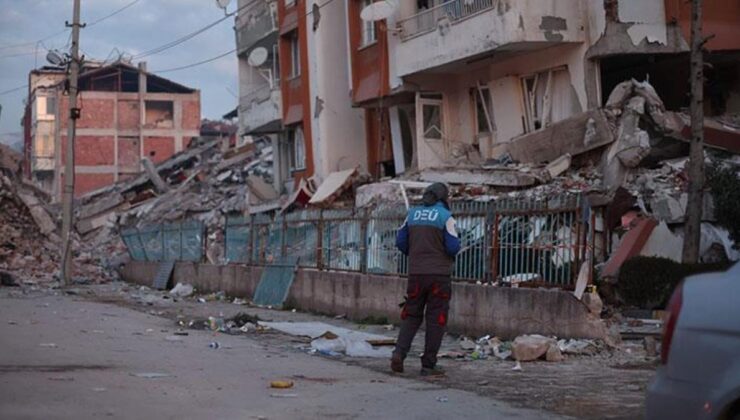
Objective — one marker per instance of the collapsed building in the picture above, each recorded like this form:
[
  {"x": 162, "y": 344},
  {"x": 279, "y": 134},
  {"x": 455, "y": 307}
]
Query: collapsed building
[{"x": 564, "y": 140}]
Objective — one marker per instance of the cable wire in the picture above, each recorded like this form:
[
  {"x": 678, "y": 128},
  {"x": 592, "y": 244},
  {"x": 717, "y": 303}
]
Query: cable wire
[
  {"x": 5, "y": 92},
  {"x": 198, "y": 63},
  {"x": 95, "y": 22}
]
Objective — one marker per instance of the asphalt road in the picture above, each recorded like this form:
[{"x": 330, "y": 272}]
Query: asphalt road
[{"x": 64, "y": 357}]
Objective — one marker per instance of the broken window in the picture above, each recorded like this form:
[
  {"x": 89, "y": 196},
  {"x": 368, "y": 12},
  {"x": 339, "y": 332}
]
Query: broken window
[
  {"x": 548, "y": 97},
  {"x": 295, "y": 55},
  {"x": 159, "y": 114},
  {"x": 429, "y": 106},
  {"x": 297, "y": 149},
  {"x": 483, "y": 113},
  {"x": 368, "y": 27}
]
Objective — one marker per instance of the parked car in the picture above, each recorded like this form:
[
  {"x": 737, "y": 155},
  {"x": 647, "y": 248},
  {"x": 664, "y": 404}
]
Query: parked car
[{"x": 699, "y": 374}]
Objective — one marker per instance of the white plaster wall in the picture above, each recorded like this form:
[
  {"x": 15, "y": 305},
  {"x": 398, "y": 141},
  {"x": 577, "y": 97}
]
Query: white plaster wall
[
  {"x": 596, "y": 20},
  {"x": 509, "y": 22},
  {"x": 503, "y": 78},
  {"x": 647, "y": 18},
  {"x": 338, "y": 129}
]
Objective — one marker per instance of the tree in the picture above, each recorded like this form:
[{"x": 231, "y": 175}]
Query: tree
[{"x": 692, "y": 232}]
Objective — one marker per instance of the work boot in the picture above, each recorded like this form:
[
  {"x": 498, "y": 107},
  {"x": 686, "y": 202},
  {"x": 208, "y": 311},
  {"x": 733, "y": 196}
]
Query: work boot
[
  {"x": 397, "y": 363},
  {"x": 433, "y": 371}
]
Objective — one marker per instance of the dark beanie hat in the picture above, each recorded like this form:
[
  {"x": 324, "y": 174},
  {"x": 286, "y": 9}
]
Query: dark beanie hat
[{"x": 434, "y": 193}]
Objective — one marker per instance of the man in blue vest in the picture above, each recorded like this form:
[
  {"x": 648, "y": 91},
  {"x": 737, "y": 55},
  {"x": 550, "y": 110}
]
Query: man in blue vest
[{"x": 429, "y": 238}]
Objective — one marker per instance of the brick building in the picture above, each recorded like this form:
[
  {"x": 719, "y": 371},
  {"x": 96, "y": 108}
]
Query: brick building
[{"x": 126, "y": 114}]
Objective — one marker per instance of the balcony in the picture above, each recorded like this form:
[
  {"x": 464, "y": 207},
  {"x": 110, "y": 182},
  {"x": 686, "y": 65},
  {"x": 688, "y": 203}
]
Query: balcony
[
  {"x": 459, "y": 30},
  {"x": 260, "y": 110},
  {"x": 255, "y": 23}
]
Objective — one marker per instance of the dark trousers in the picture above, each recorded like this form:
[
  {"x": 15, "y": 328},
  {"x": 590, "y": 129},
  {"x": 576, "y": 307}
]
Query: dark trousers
[{"x": 430, "y": 293}]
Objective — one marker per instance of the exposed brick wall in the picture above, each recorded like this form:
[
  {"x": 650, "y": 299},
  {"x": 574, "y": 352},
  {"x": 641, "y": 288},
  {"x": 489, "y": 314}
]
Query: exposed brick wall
[
  {"x": 191, "y": 115},
  {"x": 94, "y": 150},
  {"x": 85, "y": 183},
  {"x": 128, "y": 115},
  {"x": 96, "y": 113},
  {"x": 128, "y": 152},
  {"x": 159, "y": 149}
]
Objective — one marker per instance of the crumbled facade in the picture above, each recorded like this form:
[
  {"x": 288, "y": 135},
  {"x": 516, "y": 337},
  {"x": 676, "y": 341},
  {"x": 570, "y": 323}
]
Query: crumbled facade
[{"x": 127, "y": 114}]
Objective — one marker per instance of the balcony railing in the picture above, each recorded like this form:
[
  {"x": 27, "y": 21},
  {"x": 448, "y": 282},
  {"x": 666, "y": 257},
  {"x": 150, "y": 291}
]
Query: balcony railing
[{"x": 453, "y": 10}]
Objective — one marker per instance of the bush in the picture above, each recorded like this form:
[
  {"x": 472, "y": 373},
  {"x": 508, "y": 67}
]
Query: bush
[
  {"x": 725, "y": 188},
  {"x": 648, "y": 282}
]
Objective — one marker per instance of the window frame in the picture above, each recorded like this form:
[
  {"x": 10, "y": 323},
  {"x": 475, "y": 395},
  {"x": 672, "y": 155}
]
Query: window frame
[
  {"x": 295, "y": 55},
  {"x": 477, "y": 102},
  {"x": 369, "y": 32},
  {"x": 296, "y": 149}
]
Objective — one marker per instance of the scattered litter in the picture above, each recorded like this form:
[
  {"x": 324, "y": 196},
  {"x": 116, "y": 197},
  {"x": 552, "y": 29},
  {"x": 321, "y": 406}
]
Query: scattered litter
[
  {"x": 61, "y": 378},
  {"x": 214, "y": 345},
  {"x": 182, "y": 290},
  {"x": 283, "y": 395},
  {"x": 281, "y": 384},
  {"x": 99, "y": 389},
  {"x": 48, "y": 345},
  {"x": 443, "y": 399},
  {"x": 151, "y": 375},
  {"x": 517, "y": 366},
  {"x": 201, "y": 300},
  {"x": 12, "y": 323}
]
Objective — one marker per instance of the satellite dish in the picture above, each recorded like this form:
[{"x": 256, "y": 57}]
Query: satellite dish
[
  {"x": 378, "y": 11},
  {"x": 54, "y": 58},
  {"x": 223, "y": 4},
  {"x": 257, "y": 57}
]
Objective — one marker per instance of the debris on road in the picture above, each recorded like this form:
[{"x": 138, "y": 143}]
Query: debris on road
[
  {"x": 281, "y": 384},
  {"x": 151, "y": 375},
  {"x": 182, "y": 290},
  {"x": 531, "y": 347}
]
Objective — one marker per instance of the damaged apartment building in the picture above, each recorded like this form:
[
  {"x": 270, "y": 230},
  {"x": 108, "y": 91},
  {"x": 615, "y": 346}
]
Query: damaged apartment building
[
  {"x": 127, "y": 114},
  {"x": 448, "y": 83},
  {"x": 293, "y": 90}
]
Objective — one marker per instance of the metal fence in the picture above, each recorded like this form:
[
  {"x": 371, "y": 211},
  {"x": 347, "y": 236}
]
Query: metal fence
[
  {"x": 179, "y": 241},
  {"x": 509, "y": 241}
]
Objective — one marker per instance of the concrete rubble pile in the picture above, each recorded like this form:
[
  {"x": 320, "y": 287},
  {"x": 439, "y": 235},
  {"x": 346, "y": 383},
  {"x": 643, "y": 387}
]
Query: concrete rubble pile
[
  {"x": 629, "y": 157},
  {"x": 202, "y": 183},
  {"x": 31, "y": 246}
]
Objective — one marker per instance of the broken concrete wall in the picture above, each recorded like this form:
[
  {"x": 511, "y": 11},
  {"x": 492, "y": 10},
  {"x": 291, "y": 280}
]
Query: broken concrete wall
[{"x": 475, "y": 309}]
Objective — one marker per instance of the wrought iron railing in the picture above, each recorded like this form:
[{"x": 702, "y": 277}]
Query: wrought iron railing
[{"x": 453, "y": 10}]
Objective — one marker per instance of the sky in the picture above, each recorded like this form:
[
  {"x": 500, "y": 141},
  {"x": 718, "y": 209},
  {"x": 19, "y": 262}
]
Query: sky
[{"x": 144, "y": 25}]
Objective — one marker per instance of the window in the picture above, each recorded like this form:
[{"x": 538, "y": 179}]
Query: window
[
  {"x": 159, "y": 114},
  {"x": 275, "y": 65},
  {"x": 289, "y": 3},
  {"x": 274, "y": 16},
  {"x": 549, "y": 97},
  {"x": 297, "y": 149},
  {"x": 51, "y": 105},
  {"x": 295, "y": 55},
  {"x": 483, "y": 110},
  {"x": 368, "y": 27},
  {"x": 429, "y": 106}
]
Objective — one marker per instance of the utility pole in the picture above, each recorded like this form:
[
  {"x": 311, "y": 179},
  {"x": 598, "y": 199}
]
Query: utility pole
[
  {"x": 69, "y": 163},
  {"x": 692, "y": 231}
]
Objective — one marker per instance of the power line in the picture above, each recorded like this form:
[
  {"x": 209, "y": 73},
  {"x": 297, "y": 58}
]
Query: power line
[
  {"x": 197, "y": 63},
  {"x": 55, "y": 34},
  {"x": 95, "y": 22},
  {"x": 5, "y": 92},
  {"x": 224, "y": 54},
  {"x": 180, "y": 40}
]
